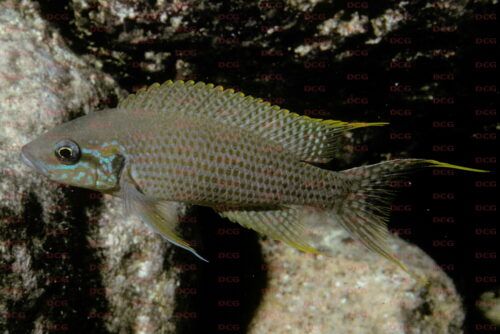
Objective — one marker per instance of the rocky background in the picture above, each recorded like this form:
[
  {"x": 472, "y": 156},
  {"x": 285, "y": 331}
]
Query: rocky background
[{"x": 71, "y": 262}]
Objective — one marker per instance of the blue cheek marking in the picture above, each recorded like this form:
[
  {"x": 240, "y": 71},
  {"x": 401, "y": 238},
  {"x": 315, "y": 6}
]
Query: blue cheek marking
[
  {"x": 65, "y": 167},
  {"x": 65, "y": 172},
  {"x": 85, "y": 174},
  {"x": 79, "y": 176},
  {"x": 94, "y": 153},
  {"x": 105, "y": 176}
]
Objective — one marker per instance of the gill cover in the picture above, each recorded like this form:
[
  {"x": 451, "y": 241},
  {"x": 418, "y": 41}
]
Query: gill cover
[{"x": 108, "y": 164}]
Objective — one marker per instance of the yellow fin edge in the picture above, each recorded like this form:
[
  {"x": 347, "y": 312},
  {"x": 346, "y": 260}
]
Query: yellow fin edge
[
  {"x": 435, "y": 163},
  {"x": 418, "y": 278},
  {"x": 301, "y": 247},
  {"x": 363, "y": 125},
  {"x": 351, "y": 126}
]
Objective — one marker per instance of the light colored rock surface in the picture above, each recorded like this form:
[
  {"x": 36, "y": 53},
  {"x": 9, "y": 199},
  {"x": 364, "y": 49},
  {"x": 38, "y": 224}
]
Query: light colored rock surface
[
  {"x": 65, "y": 258},
  {"x": 489, "y": 304},
  {"x": 354, "y": 292}
]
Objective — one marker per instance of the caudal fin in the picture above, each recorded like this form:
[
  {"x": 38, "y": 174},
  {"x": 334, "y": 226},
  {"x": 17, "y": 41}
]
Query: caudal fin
[{"x": 366, "y": 208}]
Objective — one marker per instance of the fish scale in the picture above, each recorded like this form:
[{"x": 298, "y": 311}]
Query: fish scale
[
  {"x": 194, "y": 143},
  {"x": 213, "y": 181}
]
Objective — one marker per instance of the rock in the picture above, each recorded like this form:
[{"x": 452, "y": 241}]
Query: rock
[
  {"x": 70, "y": 260},
  {"x": 354, "y": 291},
  {"x": 489, "y": 304}
]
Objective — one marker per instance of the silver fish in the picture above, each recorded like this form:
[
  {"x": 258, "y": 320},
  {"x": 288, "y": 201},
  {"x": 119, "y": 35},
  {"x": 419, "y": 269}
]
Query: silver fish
[{"x": 199, "y": 144}]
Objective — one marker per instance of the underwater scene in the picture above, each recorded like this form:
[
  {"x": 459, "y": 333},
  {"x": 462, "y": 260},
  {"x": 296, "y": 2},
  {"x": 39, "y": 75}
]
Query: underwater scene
[{"x": 281, "y": 166}]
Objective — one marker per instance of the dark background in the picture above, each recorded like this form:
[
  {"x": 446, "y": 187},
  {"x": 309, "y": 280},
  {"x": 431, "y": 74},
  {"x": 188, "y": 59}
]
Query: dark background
[{"x": 431, "y": 78}]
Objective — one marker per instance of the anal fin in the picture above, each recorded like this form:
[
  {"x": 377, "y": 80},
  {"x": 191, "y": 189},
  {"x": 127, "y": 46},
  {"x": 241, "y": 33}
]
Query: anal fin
[{"x": 279, "y": 224}]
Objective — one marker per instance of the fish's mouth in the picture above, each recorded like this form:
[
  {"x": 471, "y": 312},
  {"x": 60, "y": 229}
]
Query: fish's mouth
[{"x": 29, "y": 160}]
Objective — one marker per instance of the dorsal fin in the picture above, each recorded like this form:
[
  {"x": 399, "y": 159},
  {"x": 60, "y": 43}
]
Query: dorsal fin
[{"x": 311, "y": 139}]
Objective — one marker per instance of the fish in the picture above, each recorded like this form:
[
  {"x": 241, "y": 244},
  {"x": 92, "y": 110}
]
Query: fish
[{"x": 254, "y": 163}]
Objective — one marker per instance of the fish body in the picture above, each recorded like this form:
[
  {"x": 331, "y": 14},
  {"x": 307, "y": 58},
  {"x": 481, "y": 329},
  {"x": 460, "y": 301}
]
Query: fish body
[
  {"x": 199, "y": 144},
  {"x": 198, "y": 160}
]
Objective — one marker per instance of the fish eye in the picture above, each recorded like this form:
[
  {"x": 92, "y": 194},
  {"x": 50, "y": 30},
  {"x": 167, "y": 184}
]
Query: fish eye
[{"x": 67, "y": 152}]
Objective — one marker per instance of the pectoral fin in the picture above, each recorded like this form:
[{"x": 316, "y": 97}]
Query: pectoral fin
[
  {"x": 280, "y": 224},
  {"x": 161, "y": 216}
]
